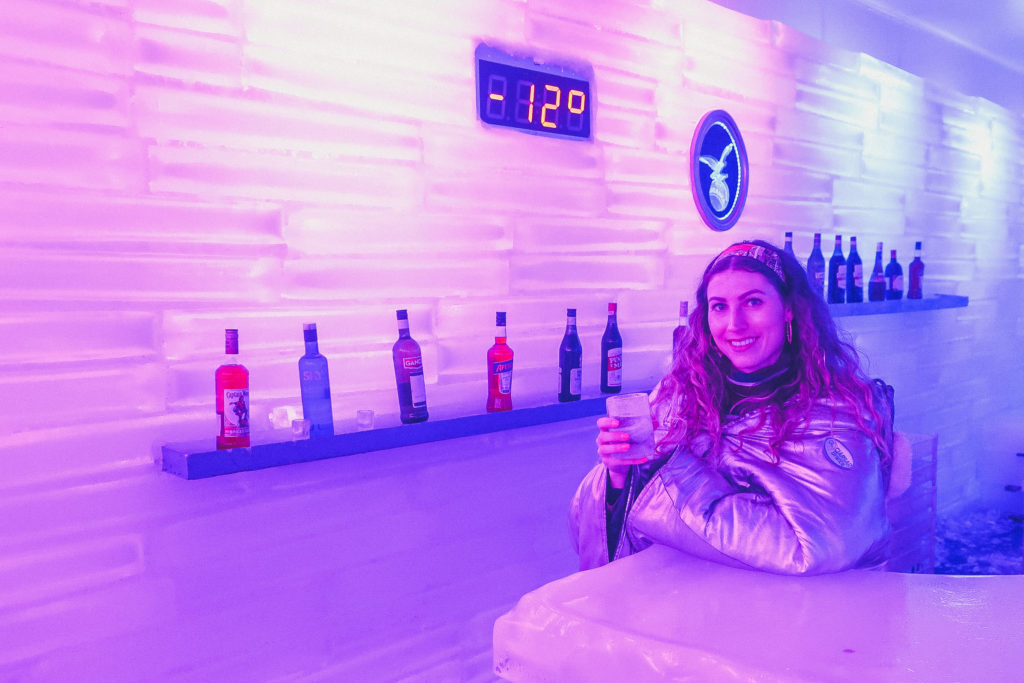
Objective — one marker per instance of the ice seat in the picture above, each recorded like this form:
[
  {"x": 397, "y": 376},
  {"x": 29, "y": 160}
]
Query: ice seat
[{"x": 662, "y": 615}]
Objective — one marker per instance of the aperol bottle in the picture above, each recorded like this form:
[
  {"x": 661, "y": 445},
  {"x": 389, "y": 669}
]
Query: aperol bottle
[{"x": 499, "y": 369}]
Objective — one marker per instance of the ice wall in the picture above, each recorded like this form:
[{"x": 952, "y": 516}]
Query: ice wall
[{"x": 170, "y": 169}]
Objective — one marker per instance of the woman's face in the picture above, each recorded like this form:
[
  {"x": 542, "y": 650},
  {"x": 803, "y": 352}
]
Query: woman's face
[{"x": 747, "y": 318}]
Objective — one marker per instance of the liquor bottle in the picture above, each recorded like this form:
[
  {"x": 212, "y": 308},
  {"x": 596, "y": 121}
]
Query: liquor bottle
[
  {"x": 412, "y": 390},
  {"x": 914, "y": 291},
  {"x": 680, "y": 332},
  {"x": 499, "y": 369},
  {"x": 232, "y": 386},
  {"x": 816, "y": 267},
  {"x": 570, "y": 361},
  {"x": 854, "y": 275},
  {"x": 611, "y": 353},
  {"x": 876, "y": 285},
  {"x": 893, "y": 278},
  {"x": 315, "y": 386},
  {"x": 837, "y": 274},
  {"x": 789, "y": 245}
]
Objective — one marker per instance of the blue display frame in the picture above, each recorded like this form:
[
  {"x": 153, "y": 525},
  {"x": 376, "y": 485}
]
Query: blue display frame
[
  {"x": 558, "y": 102},
  {"x": 719, "y": 172}
]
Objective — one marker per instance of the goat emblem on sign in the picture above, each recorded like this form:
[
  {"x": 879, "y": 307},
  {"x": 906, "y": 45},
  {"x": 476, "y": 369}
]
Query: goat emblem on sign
[{"x": 718, "y": 170}]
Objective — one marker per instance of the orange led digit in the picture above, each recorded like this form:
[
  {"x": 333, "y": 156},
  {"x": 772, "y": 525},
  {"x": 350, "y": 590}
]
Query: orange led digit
[
  {"x": 552, "y": 106},
  {"x": 533, "y": 93},
  {"x": 583, "y": 100}
]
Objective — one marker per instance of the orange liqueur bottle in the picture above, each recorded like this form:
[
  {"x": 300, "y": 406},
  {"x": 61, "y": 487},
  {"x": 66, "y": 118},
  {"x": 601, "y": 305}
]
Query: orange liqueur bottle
[
  {"x": 499, "y": 369},
  {"x": 232, "y": 381}
]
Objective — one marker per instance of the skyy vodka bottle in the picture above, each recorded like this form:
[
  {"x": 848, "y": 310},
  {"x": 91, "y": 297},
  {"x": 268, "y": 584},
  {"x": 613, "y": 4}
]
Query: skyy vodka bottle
[
  {"x": 412, "y": 390},
  {"x": 854, "y": 275},
  {"x": 315, "y": 386},
  {"x": 816, "y": 267},
  {"x": 232, "y": 387},
  {"x": 499, "y": 369},
  {"x": 611, "y": 353},
  {"x": 893, "y": 278},
  {"x": 914, "y": 290},
  {"x": 570, "y": 361},
  {"x": 837, "y": 274},
  {"x": 876, "y": 285}
]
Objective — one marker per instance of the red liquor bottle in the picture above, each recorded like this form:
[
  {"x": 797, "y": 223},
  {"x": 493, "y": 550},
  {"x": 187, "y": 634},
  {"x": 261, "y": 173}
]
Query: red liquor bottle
[
  {"x": 499, "y": 369},
  {"x": 232, "y": 387},
  {"x": 914, "y": 291}
]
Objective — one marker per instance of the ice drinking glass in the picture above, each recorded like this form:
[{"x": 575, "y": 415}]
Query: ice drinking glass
[{"x": 633, "y": 411}]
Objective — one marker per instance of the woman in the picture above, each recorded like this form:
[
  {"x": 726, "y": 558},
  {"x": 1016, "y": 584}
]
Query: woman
[{"x": 773, "y": 448}]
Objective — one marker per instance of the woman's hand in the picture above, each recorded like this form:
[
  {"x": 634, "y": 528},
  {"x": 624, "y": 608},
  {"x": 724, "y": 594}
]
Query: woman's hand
[{"x": 613, "y": 449}]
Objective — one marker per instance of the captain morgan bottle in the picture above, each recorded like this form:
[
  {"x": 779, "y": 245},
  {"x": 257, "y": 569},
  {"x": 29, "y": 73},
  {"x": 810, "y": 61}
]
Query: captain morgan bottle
[{"x": 232, "y": 386}]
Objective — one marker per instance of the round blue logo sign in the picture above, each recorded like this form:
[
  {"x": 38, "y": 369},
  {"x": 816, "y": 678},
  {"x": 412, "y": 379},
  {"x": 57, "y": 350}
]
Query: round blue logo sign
[{"x": 718, "y": 170}]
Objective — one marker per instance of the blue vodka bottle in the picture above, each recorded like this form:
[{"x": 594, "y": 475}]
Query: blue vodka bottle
[{"x": 315, "y": 386}]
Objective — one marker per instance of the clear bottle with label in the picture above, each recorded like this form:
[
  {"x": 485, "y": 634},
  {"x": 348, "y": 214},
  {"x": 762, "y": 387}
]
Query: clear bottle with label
[
  {"x": 232, "y": 387},
  {"x": 854, "y": 275},
  {"x": 837, "y": 274},
  {"x": 315, "y": 386},
  {"x": 499, "y": 369},
  {"x": 570, "y": 361},
  {"x": 893, "y": 278},
  {"x": 408, "y": 360},
  {"x": 915, "y": 290},
  {"x": 611, "y": 353},
  {"x": 816, "y": 267}
]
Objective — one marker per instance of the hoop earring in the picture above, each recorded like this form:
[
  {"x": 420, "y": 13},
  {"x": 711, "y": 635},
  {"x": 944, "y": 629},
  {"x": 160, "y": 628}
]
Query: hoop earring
[{"x": 789, "y": 331}]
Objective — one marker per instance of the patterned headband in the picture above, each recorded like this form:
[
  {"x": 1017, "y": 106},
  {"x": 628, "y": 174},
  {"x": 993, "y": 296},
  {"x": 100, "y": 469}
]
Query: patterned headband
[{"x": 766, "y": 257}]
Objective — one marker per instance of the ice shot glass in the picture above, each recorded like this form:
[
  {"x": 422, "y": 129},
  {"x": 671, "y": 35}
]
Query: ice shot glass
[{"x": 633, "y": 411}]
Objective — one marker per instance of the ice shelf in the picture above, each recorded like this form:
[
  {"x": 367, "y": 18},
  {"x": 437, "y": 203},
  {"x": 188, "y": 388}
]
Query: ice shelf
[{"x": 201, "y": 459}]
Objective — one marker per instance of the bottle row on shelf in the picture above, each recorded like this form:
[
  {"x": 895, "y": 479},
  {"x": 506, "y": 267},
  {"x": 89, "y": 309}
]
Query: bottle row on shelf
[
  {"x": 232, "y": 378},
  {"x": 843, "y": 280}
]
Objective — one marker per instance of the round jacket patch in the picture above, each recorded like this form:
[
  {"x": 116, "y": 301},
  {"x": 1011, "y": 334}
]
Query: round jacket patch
[{"x": 838, "y": 454}]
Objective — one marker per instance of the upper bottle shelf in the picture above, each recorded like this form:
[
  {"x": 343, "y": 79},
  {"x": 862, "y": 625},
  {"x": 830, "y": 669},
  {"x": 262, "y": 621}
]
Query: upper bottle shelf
[{"x": 928, "y": 303}]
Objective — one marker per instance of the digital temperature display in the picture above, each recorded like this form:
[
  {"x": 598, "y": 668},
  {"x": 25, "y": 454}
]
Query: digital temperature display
[{"x": 539, "y": 99}]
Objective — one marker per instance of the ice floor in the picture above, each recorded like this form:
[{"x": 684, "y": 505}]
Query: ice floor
[{"x": 979, "y": 542}]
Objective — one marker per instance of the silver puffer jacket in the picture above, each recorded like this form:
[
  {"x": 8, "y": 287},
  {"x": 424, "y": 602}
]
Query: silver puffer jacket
[{"x": 821, "y": 509}]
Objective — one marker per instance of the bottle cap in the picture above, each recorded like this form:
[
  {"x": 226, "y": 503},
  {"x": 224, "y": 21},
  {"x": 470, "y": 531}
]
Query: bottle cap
[
  {"x": 612, "y": 307},
  {"x": 499, "y": 318},
  {"x": 684, "y": 307},
  {"x": 788, "y": 235},
  {"x": 879, "y": 246},
  {"x": 402, "y": 314},
  {"x": 894, "y": 253},
  {"x": 853, "y": 240},
  {"x": 309, "y": 331},
  {"x": 231, "y": 341},
  {"x": 917, "y": 245},
  {"x": 570, "y": 312}
]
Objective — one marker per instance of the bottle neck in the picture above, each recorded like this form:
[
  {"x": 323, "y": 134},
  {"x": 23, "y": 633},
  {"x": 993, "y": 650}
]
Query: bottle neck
[
  {"x": 500, "y": 334},
  {"x": 403, "y": 329},
  {"x": 312, "y": 347},
  {"x": 570, "y": 324}
]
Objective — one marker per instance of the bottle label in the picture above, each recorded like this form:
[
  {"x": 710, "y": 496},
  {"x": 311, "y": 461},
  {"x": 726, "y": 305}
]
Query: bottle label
[
  {"x": 896, "y": 283},
  {"x": 615, "y": 367},
  {"x": 419, "y": 390},
  {"x": 819, "y": 279},
  {"x": 576, "y": 381},
  {"x": 841, "y": 277},
  {"x": 503, "y": 370},
  {"x": 858, "y": 276},
  {"x": 236, "y": 413},
  {"x": 413, "y": 363}
]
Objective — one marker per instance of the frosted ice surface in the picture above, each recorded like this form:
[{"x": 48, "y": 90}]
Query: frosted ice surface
[
  {"x": 859, "y": 111},
  {"x": 655, "y": 168},
  {"x": 623, "y": 127},
  {"x": 220, "y": 17},
  {"x": 486, "y": 150},
  {"x": 854, "y": 194},
  {"x": 537, "y": 273},
  {"x": 627, "y": 90},
  {"x": 361, "y": 278},
  {"x": 814, "y": 157},
  {"x": 546, "y": 194},
  {"x": 37, "y": 94},
  {"x": 67, "y": 337},
  {"x": 65, "y": 35},
  {"x": 644, "y": 201},
  {"x": 188, "y": 57},
  {"x": 811, "y": 216},
  {"x": 875, "y": 221},
  {"x": 588, "y": 234},
  {"x": 673, "y": 623},
  {"x": 807, "y": 126},
  {"x": 66, "y": 158},
  {"x": 212, "y": 172},
  {"x": 603, "y": 48}
]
